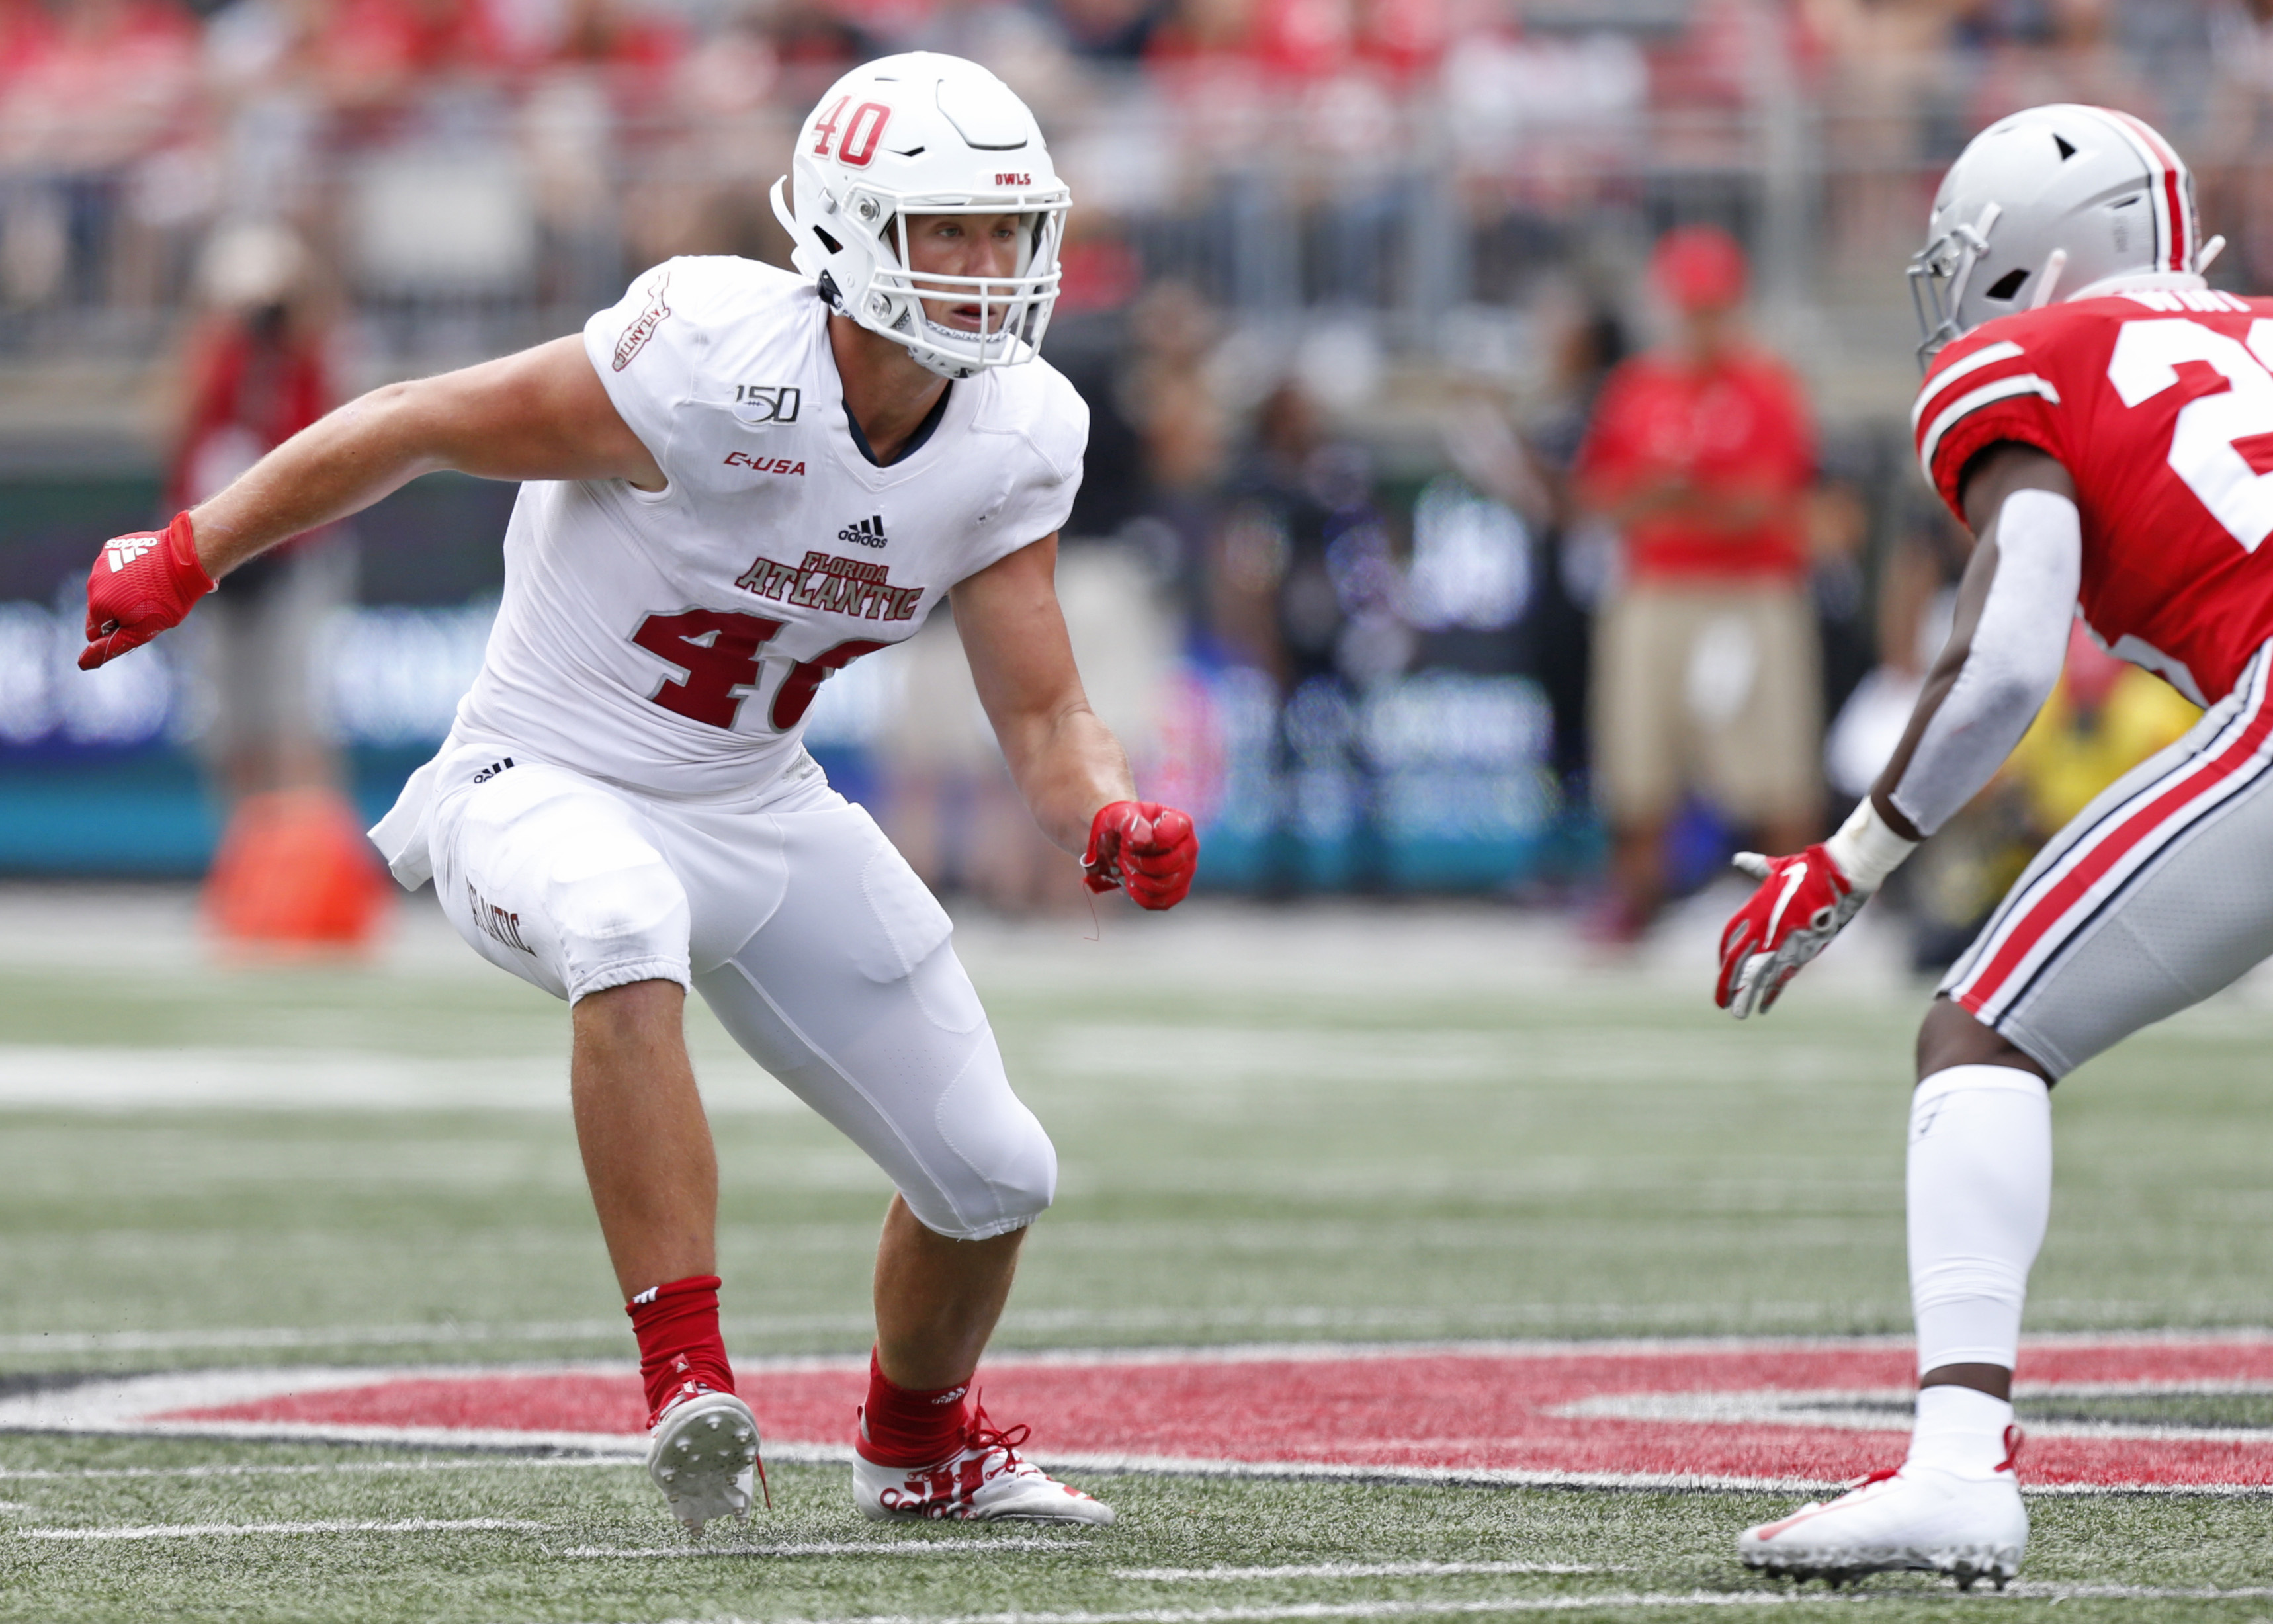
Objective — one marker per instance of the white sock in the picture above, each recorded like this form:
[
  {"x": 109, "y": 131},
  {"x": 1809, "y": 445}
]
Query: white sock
[
  {"x": 1960, "y": 1430},
  {"x": 1980, "y": 1192}
]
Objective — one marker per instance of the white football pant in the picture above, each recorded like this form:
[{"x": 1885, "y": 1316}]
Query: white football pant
[{"x": 799, "y": 923}]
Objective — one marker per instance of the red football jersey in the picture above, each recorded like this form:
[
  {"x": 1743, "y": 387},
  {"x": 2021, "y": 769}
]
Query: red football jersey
[{"x": 2159, "y": 403}]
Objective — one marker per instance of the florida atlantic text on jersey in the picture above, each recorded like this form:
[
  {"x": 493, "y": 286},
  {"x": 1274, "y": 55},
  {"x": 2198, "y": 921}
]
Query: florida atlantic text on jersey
[
  {"x": 674, "y": 640},
  {"x": 2159, "y": 403}
]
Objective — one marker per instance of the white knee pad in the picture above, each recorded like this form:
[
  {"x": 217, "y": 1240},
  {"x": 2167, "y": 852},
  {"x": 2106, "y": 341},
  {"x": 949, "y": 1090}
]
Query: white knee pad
[
  {"x": 552, "y": 877},
  {"x": 1002, "y": 1170},
  {"x": 852, "y": 995}
]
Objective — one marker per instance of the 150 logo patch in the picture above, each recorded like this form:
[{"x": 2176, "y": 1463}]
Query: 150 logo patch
[{"x": 763, "y": 403}]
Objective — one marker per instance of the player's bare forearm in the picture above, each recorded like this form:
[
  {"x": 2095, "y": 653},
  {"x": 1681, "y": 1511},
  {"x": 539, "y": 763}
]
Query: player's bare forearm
[
  {"x": 1067, "y": 766},
  {"x": 541, "y": 414},
  {"x": 1064, "y": 760}
]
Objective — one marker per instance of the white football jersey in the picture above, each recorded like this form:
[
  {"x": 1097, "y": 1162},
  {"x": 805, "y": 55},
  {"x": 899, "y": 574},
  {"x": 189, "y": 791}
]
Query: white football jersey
[{"x": 673, "y": 640}]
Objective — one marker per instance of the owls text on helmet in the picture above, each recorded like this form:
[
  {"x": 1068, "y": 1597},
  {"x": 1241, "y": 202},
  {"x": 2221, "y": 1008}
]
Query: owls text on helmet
[
  {"x": 2054, "y": 202},
  {"x": 922, "y": 133}
]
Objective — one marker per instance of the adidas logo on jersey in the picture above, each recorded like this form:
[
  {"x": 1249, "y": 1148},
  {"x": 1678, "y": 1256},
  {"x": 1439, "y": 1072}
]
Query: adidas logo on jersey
[
  {"x": 493, "y": 770},
  {"x": 127, "y": 549},
  {"x": 868, "y": 531}
]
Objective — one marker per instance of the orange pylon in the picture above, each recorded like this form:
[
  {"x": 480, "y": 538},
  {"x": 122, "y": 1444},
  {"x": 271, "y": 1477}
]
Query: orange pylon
[{"x": 294, "y": 869}]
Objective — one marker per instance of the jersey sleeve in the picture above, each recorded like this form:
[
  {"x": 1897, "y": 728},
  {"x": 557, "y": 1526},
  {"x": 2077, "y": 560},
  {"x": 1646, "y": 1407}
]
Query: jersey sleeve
[
  {"x": 1056, "y": 434},
  {"x": 1994, "y": 384},
  {"x": 647, "y": 349}
]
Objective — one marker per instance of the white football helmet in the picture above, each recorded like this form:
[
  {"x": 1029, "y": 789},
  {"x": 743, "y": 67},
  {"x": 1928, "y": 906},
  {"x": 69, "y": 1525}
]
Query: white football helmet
[
  {"x": 922, "y": 133},
  {"x": 2059, "y": 200}
]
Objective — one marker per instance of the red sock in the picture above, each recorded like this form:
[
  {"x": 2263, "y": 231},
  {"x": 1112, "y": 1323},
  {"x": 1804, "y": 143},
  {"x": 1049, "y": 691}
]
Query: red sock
[
  {"x": 900, "y": 1427},
  {"x": 679, "y": 1342}
]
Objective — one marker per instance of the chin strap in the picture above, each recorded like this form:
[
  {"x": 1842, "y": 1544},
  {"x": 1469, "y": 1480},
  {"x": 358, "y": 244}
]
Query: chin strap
[{"x": 2048, "y": 283}]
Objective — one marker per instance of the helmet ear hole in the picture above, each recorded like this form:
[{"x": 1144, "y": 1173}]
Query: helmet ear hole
[{"x": 2008, "y": 285}]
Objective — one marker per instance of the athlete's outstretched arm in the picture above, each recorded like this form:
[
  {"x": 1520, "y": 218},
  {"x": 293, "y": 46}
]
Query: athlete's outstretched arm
[
  {"x": 540, "y": 415},
  {"x": 2008, "y": 640},
  {"x": 1066, "y": 762},
  {"x": 2007, "y": 646}
]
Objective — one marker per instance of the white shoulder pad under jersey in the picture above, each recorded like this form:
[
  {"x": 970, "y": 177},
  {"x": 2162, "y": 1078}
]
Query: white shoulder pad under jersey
[{"x": 675, "y": 640}]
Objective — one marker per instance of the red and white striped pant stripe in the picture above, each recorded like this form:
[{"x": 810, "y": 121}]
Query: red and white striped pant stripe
[{"x": 2091, "y": 864}]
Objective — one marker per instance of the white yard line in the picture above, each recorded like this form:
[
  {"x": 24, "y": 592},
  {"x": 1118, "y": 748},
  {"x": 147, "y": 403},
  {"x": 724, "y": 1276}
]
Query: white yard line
[
  {"x": 979, "y": 1546},
  {"x": 1344, "y": 1570},
  {"x": 224, "y": 1531},
  {"x": 70, "y": 1077},
  {"x": 1515, "y": 1604},
  {"x": 283, "y": 1337},
  {"x": 1330, "y": 1610},
  {"x": 1074, "y": 1320},
  {"x": 248, "y": 1469}
]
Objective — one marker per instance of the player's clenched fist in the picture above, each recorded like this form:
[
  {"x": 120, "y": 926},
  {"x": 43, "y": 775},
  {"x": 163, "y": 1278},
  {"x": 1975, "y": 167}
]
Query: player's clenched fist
[
  {"x": 141, "y": 584},
  {"x": 1149, "y": 850}
]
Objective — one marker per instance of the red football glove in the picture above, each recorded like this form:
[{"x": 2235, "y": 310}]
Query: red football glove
[
  {"x": 141, "y": 585},
  {"x": 1803, "y": 902},
  {"x": 1149, "y": 850}
]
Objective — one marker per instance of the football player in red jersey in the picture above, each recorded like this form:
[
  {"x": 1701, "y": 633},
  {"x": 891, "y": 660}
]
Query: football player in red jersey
[{"x": 2103, "y": 421}]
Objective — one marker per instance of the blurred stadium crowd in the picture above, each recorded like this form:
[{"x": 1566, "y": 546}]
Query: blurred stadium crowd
[{"x": 1345, "y": 285}]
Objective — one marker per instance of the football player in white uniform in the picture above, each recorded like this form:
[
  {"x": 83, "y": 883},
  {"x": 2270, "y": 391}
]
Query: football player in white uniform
[{"x": 735, "y": 482}]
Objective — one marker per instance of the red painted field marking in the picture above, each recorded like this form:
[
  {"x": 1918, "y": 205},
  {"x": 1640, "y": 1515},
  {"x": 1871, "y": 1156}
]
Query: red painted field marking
[{"x": 1819, "y": 1411}]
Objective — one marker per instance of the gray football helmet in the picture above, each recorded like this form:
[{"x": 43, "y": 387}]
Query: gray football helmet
[{"x": 2053, "y": 201}]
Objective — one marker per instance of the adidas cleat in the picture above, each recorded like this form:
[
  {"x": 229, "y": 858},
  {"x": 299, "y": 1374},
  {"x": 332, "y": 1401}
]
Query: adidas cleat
[
  {"x": 985, "y": 1482},
  {"x": 702, "y": 1452},
  {"x": 1919, "y": 1518}
]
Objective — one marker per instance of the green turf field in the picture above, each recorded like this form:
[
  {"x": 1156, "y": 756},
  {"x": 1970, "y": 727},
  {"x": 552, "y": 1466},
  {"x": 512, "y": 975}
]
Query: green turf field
[{"x": 1419, "y": 1125}]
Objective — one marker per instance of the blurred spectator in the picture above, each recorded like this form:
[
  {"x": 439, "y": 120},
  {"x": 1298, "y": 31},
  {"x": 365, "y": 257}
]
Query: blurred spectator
[
  {"x": 1838, "y": 521},
  {"x": 1111, "y": 30},
  {"x": 257, "y": 370},
  {"x": 100, "y": 86},
  {"x": 1183, "y": 432},
  {"x": 1706, "y": 661},
  {"x": 587, "y": 110},
  {"x": 1577, "y": 550},
  {"x": 2237, "y": 182},
  {"x": 1305, "y": 585},
  {"x": 2056, "y": 50}
]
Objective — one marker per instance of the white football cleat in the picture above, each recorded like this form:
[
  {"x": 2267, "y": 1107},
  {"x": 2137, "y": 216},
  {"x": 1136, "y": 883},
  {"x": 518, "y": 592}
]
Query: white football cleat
[
  {"x": 985, "y": 1482},
  {"x": 1918, "y": 1517},
  {"x": 702, "y": 1453}
]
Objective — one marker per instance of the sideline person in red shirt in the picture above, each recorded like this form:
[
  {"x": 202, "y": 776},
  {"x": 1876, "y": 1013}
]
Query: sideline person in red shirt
[{"x": 1706, "y": 664}]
